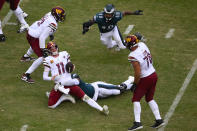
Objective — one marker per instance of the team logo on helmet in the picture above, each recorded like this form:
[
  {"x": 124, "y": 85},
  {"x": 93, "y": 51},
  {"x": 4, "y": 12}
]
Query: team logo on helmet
[
  {"x": 59, "y": 14},
  {"x": 109, "y": 12},
  {"x": 131, "y": 41}
]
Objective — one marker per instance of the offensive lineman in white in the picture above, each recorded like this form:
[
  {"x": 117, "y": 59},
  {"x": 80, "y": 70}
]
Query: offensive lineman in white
[
  {"x": 57, "y": 65},
  {"x": 145, "y": 79},
  {"x": 37, "y": 35}
]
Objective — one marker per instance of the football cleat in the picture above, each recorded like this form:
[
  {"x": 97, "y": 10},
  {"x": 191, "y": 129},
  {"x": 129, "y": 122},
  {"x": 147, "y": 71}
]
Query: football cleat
[
  {"x": 47, "y": 94},
  {"x": 136, "y": 126},
  {"x": 2, "y": 37},
  {"x": 158, "y": 123},
  {"x": 105, "y": 110},
  {"x": 26, "y": 77},
  {"x": 25, "y": 15},
  {"x": 122, "y": 87},
  {"x": 23, "y": 28},
  {"x": 27, "y": 59}
]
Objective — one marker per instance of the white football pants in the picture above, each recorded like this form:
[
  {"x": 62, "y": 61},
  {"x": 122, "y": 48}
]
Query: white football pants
[{"x": 106, "y": 38}]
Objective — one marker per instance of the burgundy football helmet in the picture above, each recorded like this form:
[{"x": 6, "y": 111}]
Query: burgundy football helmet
[
  {"x": 52, "y": 47},
  {"x": 131, "y": 41},
  {"x": 59, "y": 14}
]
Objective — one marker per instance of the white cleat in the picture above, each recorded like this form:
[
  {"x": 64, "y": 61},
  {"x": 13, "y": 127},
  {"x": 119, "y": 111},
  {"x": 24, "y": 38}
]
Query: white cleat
[
  {"x": 47, "y": 94},
  {"x": 25, "y": 15},
  {"x": 105, "y": 110},
  {"x": 23, "y": 28}
]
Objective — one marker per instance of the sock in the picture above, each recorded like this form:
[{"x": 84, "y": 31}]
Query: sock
[
  {"x": 92, "y": 103},
  {"x": 29, "y": 52},
  {"x": 155, "y": 109},
  {"x": 19, "y": 14},
  {"x": 1, "y": 32},
  {"x": 35, "y": 65},
  {"x": 137, "y": 111}
]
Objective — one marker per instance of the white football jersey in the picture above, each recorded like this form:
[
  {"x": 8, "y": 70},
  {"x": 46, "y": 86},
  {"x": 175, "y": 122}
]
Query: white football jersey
[
  {"x": 143, "y": 56},
  {"x": 57, "y": 65},
  {"x": 47, "y": 22}
]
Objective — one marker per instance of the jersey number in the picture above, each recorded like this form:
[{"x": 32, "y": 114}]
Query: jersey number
[
  {"x": 147, "y": 58},
  {"x": 60, "y": 67}
]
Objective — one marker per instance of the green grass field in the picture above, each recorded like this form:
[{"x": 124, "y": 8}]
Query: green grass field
[{"x": 26, "y": 104}]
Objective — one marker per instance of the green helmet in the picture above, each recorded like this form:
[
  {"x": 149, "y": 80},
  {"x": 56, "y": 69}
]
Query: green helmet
[{"x": 109, "y": 11}]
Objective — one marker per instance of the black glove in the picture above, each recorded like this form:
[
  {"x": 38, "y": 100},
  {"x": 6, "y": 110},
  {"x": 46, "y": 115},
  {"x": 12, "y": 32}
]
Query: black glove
[
  {"x": 85, "y": 29},
  {"x": 45, "y": 52},
  {"x": 133, "y": 87},
  {"x": 51, "y": 37},
  {"x": 138, "y": 12}
]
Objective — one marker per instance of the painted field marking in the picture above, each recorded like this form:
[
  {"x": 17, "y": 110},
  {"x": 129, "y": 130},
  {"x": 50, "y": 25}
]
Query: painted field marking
[
  {"x": 24, "y": 128},
  {"x": 170, "y": 33},
  {"x": 7, "y": 18},
  {"x": 11, "y": 23},
  {"x": 128, "y": 29},
  {"x": 179, "y": 95}
]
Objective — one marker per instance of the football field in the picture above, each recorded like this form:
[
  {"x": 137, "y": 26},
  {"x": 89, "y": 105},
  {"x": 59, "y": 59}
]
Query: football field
[{"x": 170, "y": 29}]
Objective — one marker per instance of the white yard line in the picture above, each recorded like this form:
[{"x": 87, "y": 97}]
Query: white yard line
[
  {"x": 24, "y": 128},
  {"x": 128, "y": 30},
  {"x": 7, "y": 18},
  {"x": 170, "y": 33},
  {"x": 179, "y": 95},
  {"x": 11, "y": 23}
]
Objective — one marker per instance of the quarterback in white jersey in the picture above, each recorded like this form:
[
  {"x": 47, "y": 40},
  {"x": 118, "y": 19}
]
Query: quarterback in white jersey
[
  {"x": 37, "y": 35},
  {"x": 60, "y": 66},
  {"x": 145, "y": 79}
]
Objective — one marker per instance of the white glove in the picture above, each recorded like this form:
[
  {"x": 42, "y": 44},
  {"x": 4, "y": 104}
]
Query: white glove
[{"x": 61, "y": 88}]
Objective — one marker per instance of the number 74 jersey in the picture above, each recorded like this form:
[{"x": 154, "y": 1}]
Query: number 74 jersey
[
  {"x": 143, "y": 56},
  {"x": 57, "y": 64}
]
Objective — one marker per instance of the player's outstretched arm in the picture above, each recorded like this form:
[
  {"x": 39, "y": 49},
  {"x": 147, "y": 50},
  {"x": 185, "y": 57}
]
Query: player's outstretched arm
[
  {"x": 86, "y": 26},
  {"x": 137, "y": 12}
]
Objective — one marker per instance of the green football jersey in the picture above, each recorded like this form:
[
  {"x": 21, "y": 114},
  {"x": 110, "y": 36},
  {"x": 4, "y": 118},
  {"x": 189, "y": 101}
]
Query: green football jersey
[
  {"x": 104, "y": 25},
  {"x": 87, "y": 88}
]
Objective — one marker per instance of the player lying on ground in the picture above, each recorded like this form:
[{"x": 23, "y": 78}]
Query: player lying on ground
[{"x": 57, "y": 63}]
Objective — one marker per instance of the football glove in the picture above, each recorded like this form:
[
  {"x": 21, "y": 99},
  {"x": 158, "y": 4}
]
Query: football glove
[
  {"x": 70, "y": 67},
  {"x": 51, "y": 37},
  {"x": 45, "y": 52},
  {"x": 138, "y": 12},
  {"x": 133, "y": 87},
  {"x": 86, "y": 26}
]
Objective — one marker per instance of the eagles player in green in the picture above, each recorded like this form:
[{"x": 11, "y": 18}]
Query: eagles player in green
[
  {"x": 100, "y": 89},
  {"x": 107, "y": 23}
]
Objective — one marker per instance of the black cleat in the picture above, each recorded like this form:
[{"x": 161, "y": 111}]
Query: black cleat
[
  {"x": 27, "y": 59},
  {"x": 158, "y": 123},
  {"x": 122, "y": 87},
  {"x": 2, "y": 37},
  {"x": 136, "y": 126},
  {"x": 26, "y": 77}
]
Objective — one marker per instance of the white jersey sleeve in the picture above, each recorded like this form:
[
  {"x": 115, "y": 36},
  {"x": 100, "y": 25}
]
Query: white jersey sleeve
[{"x": 143, "y": 56}]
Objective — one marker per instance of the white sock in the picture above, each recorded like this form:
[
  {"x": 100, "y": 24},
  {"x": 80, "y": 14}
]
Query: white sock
[
  {"x": 1, "y": 32},
  {"x": 29, "y": 52},
  {"x": 19, "y": 14},
  {"x": 137, "y": 111},
  {"x": 35, "y": 65},
  {"x": 92, "y": 103},
  {"x": 155, "y": 109}
]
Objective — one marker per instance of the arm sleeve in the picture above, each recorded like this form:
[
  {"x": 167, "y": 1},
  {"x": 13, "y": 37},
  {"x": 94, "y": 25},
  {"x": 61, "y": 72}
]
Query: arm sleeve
[
  {"x": 46, "y": 74},
  {"x": 69, "y": 82}
]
